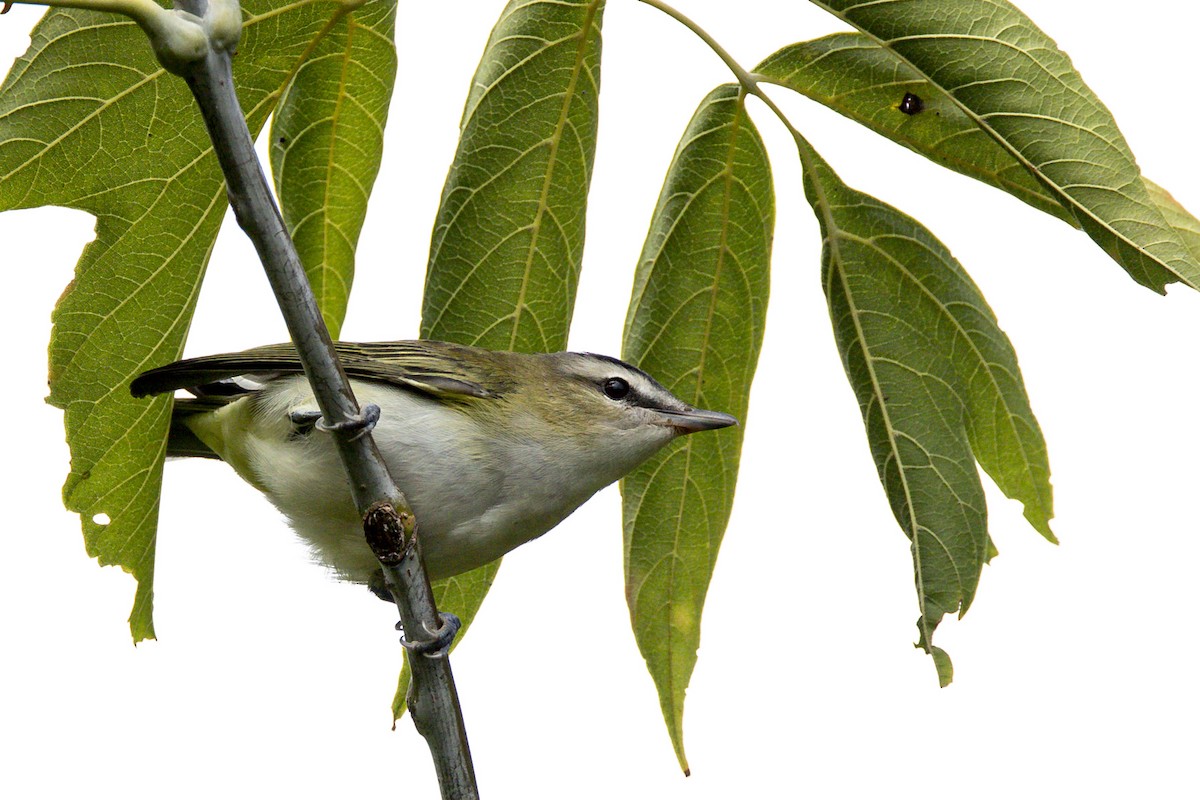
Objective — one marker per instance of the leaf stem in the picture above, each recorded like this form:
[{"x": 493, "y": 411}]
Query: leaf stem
[{"x": 748, "y": 80}]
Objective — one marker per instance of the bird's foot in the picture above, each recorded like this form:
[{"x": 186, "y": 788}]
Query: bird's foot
[
  {"x": 439, "y": 645},
  {"x": 304, "y": 420},
  {"x": 362, "y": 424},
  {"x": 359, "y": 425}
]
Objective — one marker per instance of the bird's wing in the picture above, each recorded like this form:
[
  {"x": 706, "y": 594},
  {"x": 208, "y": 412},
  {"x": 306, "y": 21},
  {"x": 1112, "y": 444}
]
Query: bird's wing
[{"x": 449, "y": 371}]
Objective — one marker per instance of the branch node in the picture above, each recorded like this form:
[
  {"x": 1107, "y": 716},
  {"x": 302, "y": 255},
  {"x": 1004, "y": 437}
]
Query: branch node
[
  {"x": 178, "y": 38},
  {"x": 223, "y": 19},
  {"x": 389, "y": 533}
]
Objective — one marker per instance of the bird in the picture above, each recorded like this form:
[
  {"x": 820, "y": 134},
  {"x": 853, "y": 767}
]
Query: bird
[{"x": 492, "y": 449}]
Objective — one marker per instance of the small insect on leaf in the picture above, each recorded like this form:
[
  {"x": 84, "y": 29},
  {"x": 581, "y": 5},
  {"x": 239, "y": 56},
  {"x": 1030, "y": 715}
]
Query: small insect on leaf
[{"x": 911, "y": 104}]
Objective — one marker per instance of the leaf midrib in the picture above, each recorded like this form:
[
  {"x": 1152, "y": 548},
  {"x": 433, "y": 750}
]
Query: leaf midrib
[
  {"x": 726, "y": 176},
  {"x": 569, "y": 96},
  {"x": 327, "y": 223},
  {"x": 833, "y": 240},
  {"x": 963, "y": 334}
]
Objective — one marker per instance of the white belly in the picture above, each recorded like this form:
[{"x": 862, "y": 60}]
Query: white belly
[{"x": 474, "y": 497}]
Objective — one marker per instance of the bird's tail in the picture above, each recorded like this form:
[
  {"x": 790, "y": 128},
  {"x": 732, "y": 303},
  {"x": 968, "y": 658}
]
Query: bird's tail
[{"x": 181, "y": 441}]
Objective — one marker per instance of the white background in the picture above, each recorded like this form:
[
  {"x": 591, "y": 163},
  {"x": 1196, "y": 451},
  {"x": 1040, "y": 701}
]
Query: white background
[{"x": 1075, "y": 668}]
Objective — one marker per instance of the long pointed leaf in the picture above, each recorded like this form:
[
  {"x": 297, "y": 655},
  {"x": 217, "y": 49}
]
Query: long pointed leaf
[
  {"x": 1015, "y": 84},
  {"x": 506, "y": 251},
  {"x": 938, "y": 385},
  {"x": 326, "y": 144},
  {"x": 508, "y": 244},
  {"x": 855, "y": 75},
  {"x": 696, "y": 322}
]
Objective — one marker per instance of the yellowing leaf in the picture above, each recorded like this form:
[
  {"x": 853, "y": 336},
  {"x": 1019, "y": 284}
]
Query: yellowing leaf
[{"x": 696, "y": 323}]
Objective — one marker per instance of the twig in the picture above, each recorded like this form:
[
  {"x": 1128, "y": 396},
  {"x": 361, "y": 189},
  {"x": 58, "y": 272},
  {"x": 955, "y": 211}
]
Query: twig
[{"x": 434, "y": 702}]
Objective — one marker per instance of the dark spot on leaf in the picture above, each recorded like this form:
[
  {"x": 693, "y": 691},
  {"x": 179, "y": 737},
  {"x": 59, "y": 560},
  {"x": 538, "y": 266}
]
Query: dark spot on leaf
[
  {"x": 283, "y": 140},
  {"x": 911, "y": 104}
]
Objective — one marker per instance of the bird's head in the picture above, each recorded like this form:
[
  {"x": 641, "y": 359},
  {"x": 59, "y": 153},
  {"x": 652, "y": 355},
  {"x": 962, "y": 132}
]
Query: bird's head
[{"x": 608, "y": 413}]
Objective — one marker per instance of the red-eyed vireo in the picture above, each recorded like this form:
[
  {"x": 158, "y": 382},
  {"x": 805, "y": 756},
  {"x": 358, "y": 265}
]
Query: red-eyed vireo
[{"x": 492, "y": 449}]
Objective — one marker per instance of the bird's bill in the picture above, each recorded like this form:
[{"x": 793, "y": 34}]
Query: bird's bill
[{"x": 696, "y": 419}]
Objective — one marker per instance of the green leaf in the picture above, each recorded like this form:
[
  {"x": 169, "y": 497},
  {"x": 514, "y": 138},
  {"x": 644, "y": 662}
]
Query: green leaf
[
  {"x": 326, "y": 144},
  {"x": 696, "y": 323},
  {"x": 856, "y": 76},
  {"x": 1177, "y": 216},
  {"x": 938, "y": 385},
  {"x": 1011, "y": 79},
  {"x": 853, "y": 74},
  {"x": 462, "y": 595},
  {"x": 89, "y": 120},
  {"x": 506, "y": 250}
]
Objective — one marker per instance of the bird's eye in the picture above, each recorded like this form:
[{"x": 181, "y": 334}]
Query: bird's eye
[{"x": 616, "y": 388}]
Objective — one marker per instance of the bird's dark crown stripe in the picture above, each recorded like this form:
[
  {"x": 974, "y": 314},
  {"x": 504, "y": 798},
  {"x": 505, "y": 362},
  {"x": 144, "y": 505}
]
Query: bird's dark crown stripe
[{"x": 630, "y": 367}]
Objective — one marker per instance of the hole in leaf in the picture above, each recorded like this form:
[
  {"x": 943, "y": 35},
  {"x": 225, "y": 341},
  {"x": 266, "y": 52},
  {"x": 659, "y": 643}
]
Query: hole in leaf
[{"x": 101, "y": 519}]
